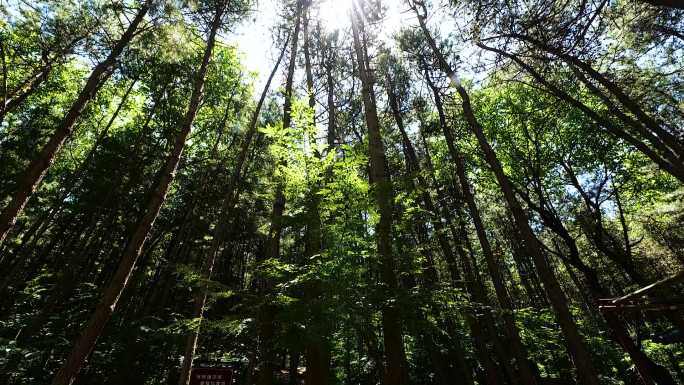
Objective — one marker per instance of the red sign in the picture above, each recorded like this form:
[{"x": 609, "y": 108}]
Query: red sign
[{"x": 211, "y": 376}]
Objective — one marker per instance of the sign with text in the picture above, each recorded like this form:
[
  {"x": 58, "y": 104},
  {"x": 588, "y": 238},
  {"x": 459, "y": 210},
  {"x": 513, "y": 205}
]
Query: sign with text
[{"x": 211, "y": 376}]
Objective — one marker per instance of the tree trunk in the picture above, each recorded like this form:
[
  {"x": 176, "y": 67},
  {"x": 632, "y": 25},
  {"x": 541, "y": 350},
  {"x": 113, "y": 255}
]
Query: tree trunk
[
  {"x": 218, "y": 236},
  {"x": 493, "y": 266},
  {"x": 396, "y": 372},
  {"x": 576, "y": 346},
  {"x": 36, "y": 170},
  {"x": 653, "y": 130},
  {"x": 13, "y": 99},
  {"x": 86, "y": 342},
  {"x": 267, "y": 312},
  {"x": 483, "y": 329},
  {"x": 429, "y": 271},
  {"x": 30, "y": 86},
  {"x": 332, "y": 109},
  {"x": 72, "y": 181},
  {"x": 649, "y": 371},
  {"x": 613, "y": 129},
  {"x": 316, "y": 350}
]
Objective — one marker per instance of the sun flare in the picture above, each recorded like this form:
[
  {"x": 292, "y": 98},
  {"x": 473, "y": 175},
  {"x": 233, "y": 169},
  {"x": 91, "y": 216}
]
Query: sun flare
[{"x": 334, "y": 14}]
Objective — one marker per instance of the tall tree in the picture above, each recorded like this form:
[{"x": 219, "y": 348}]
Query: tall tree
[
  {"x": 267, "y": 312},
  {"x": 395, "y": 356},
  {"x": 86, "y": 342},
  {"x": 374, "y": 221},
  {"x": 219, "y": 236},
  {"x": 576, "y": 346},
  {"x": 38, "y": 167}
]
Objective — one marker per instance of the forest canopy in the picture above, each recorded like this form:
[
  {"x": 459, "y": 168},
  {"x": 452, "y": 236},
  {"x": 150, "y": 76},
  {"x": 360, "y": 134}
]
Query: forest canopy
[{"x": 444, "y": 192}]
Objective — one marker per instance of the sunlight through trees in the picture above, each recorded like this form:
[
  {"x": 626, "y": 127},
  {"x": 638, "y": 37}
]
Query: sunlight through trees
[{"x": 406, "y": 192}]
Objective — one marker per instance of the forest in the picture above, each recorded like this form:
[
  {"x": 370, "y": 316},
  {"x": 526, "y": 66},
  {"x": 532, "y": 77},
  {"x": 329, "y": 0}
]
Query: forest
[{"x": 478, "y": 192}]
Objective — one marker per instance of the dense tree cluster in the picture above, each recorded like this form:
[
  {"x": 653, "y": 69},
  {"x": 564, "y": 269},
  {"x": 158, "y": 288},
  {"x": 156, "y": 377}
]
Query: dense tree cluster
[{"x": 458, "y": 202}]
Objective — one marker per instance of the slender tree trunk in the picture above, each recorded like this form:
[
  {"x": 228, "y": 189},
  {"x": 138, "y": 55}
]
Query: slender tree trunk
[
  {"x": 576, "y": 346},
  {"x": 483, "y": 329},
  {"x": 72, "y": 181},
  {"x": 414, "y": 170},
  {"x": 316, "y": 350},
  {"x": 493, "y": 266},
  {"x": 665, "y": 164},
  {"x": 604, "y": 241},
  {"x": 649, "y": 371},
  {"x": 369, "y": 339},
  {"x": 3, "y": 59},
  {"x": 307, "y": 64},
  {"x": 649, "y": 127},
  {"x": 428, "y": 276},
  {"x": 12, "y": 102},
  {"x": 396, "y": 371},
  {"x": 317, "y": 363},
  {"x": 64, "y": 287},
  {"x": 39, "y": 166},
  {"x": 218, "y": 238},
  {"x": 267, "y": 312},
  {"x": 13, "y": 99},
  {"x": 86, "y": 342},
  {"x": 332, "y": 108}
]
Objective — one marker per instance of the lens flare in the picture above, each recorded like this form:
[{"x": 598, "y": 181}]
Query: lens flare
[{"x": 334, "y": 14}]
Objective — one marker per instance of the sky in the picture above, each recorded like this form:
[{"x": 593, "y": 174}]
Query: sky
[
  {"x": 254, "y": 41},
  {"x": 253, "y": 36}
]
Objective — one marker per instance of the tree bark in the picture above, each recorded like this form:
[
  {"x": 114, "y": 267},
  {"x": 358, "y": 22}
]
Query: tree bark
[
  {"x": 429, "y": 274},
  {"x": 482, "y": 330},
  {"x": 332, "y": 108},
  {"x": 576, "y": 346},
  {"x": 649, "y": 371},
  {"x": 36, "y": 170},
  {"x": 618, "y": 132},
  {"x": 414, "y": 170},
  {"x": 267, "y": 312},
  {"x": 57, "y": 205},
  {"x": 316, "y": 350},
  {"x": 493, "y": 266},
  {"x": 396, "y": 370},
  {"x": 647, "y": 126},
  {"x": 13, "y": 99},
  {"x": 604, "y": 241},
  {"x": 218, "y": 238},
  {"x": 86, "y": 342}
]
